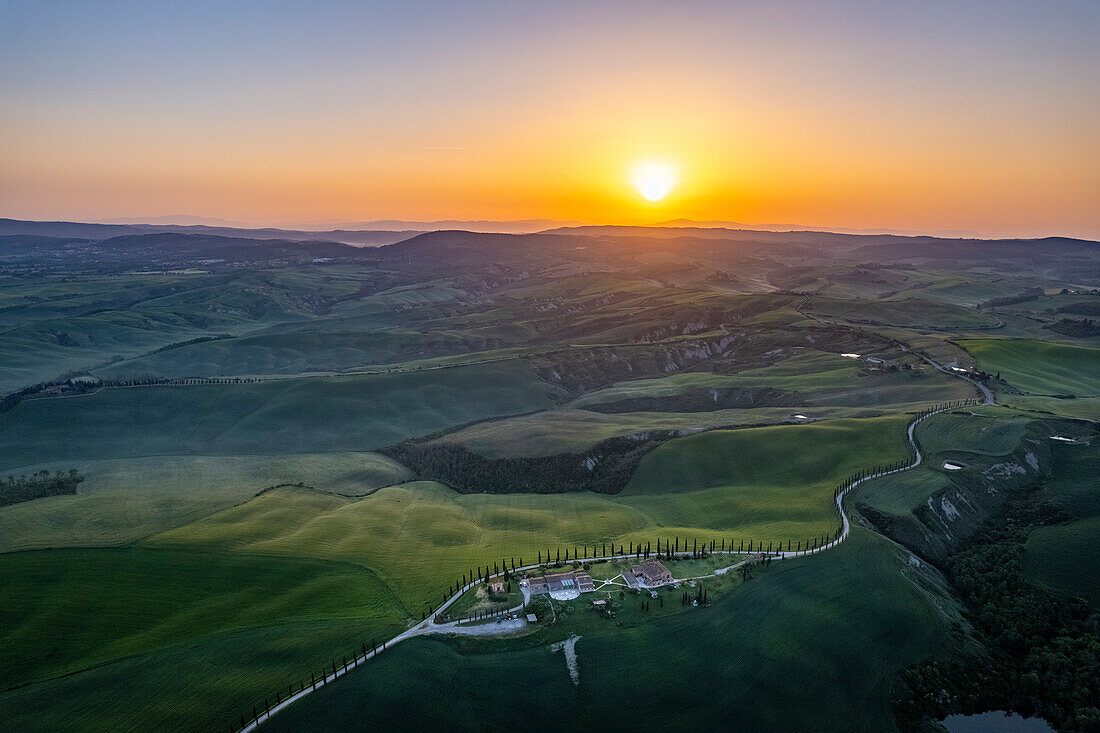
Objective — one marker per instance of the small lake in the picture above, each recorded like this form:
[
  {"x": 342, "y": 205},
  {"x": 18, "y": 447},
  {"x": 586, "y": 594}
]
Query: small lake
[{"x": 995, "y": 721}]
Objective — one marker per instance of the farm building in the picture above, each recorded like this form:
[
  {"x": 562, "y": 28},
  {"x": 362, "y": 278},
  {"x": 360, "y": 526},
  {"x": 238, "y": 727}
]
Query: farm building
[
  {"x": 562, "y": 585},
  {"x": 651, "y": 573}
]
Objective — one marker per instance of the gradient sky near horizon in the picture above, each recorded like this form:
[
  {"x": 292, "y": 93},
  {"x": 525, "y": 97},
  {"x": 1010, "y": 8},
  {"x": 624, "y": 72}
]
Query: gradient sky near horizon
[{"x": 929, "y": 116}]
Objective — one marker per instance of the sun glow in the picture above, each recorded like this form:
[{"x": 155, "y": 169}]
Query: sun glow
[{"x": 654, "y": 180}]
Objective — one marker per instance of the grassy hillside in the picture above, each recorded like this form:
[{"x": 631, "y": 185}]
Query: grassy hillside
[
  {"x": 201, "y": 684},
  {"x": 1039, "y": 366},
  {"x": 1065, "y": 558},
  {"x": 567, "y": 430},
  {"x": 136, "y": 600},
  {"x": 124, "y": 500},
  {"x": 817, "y": 639},
  {"x": 989, "y": 430},
  {"x": 170, "y": 640},
  {"x": 421, "y": 536},
  {"x": 783, "y": 456},
  {"x": 806, "y": 371},
  {"x": 277, "y": 416},
  {"x": 911, "y": 312}
]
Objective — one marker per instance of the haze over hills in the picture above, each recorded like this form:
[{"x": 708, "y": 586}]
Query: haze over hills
[
  {"x": 961, "y": 233},
  {"x": 83, "y": 230}
]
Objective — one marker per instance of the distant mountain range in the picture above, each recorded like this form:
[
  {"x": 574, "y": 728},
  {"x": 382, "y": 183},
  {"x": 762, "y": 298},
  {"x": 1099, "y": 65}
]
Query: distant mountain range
[
  {"x": 77, "y": 230},
  {"x": 516, "y": 226},
  {"x": 951, "y": 233}
]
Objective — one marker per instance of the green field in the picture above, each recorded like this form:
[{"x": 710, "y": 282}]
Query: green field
[
  {"x": 790, "y": 637},
  {"x": 124, "y": 500},
  {"x": 277, "y": 416},
  {"x": 806, "y": 371},
  {"x": 900, "y": 493},
  {"x": 171, "y": 640},
  {"x": 566, "y": 430},
  {"x": 988, "y": 430},
  {"x": 911, "y": 312},
  {"x": 138, "y": 600},
  {"x": 783, "y": 456},
  {"x": 1065, "y": 558},
  {"x": 421, "y": 536},
  {"x": 1039, "y": 366}
]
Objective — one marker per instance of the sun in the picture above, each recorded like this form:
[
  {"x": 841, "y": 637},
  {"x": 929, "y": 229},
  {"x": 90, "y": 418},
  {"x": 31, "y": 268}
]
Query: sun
[{"x": 654, "y": 180}]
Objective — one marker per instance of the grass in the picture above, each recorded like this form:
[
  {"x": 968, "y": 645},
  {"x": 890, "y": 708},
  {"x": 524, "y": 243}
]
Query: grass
[
  {"x": 1087, "y": 407},
  {"x": 1065, "y": 558},
  {"x": 988, "y": 430},
  {"x": 689, "y": 568},
  {"x": 807, "y": 370},
  {"x": 140, "y": 638},
  {"x": 124, "y": 500},
  {"x": 417, "y": 537},
  {"x": 135, "y": 600},
  {"x": 202, "y": 684},
  {"x": 815, "y": 639},
  {"x": 567, "y": 430},
  {"x": 784, "y": 456},
  {"x": 478, "y": 599},
  {"x": 421, "y": 536},
  {"x": 351, "y": 413},
  {"x": 1039, "y": 367},
  {"x": 983, "y": 431},
  {"x": 296, "y": 352},
  {"x": 910, "y": 312},
  {"x": 900, "y": 493}
]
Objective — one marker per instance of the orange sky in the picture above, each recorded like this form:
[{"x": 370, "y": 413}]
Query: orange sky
[{"x": 829, "y": 114}]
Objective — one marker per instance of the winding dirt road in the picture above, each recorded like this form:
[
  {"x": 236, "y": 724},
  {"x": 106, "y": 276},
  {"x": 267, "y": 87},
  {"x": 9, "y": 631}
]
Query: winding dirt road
[{"x": 428, "y": 625}]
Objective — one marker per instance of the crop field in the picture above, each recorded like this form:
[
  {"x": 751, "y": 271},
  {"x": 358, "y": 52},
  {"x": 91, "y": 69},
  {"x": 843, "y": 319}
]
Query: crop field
[
  {"x": 164, "y": 636},
  {"x": 1065, "y": 558},
  {"x": 767, "y": 641},
  {"x": 124, "y": 500},
  {"x": 567, "y": 430},
  {"x": 912, "y": 312},
  {"x": 290, "y": 415},
  {"x": 990, "y": 430},
  {"x": 1080, "y": 407},
  {"x": 785, "y": 456},
  {"x": 900, "y": 493},
  {"x": 806, "y": 371},
  {"x": 137, "y": 600},
  {"x": 1039, "y": 367},
  {"x": 418, "y": 537}
]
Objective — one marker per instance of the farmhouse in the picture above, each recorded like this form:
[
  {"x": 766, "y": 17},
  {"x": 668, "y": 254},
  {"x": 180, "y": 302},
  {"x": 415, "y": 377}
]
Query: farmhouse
[
  {"x": 651, "y": 574},
  {"x": 561, "y": 585}
]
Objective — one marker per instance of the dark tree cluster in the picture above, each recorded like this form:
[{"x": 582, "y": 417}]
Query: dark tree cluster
[
  {"x": 1077, "y": 328},
  {"x": 604, "y": 469},
  {"x": 1042, "y": 652},
  {"x": 37, "y": 485},
  {"x": 1087, "y": 308},
  {"x": 1024, "y": 297}
]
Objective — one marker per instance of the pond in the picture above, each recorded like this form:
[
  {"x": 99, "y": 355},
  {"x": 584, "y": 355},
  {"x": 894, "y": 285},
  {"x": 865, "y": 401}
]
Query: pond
[{"x": 995, "y": 721}]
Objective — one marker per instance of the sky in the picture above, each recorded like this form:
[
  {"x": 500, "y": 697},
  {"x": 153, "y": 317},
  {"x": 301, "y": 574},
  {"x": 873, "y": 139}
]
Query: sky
[{"x": 928, "y": 116}]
